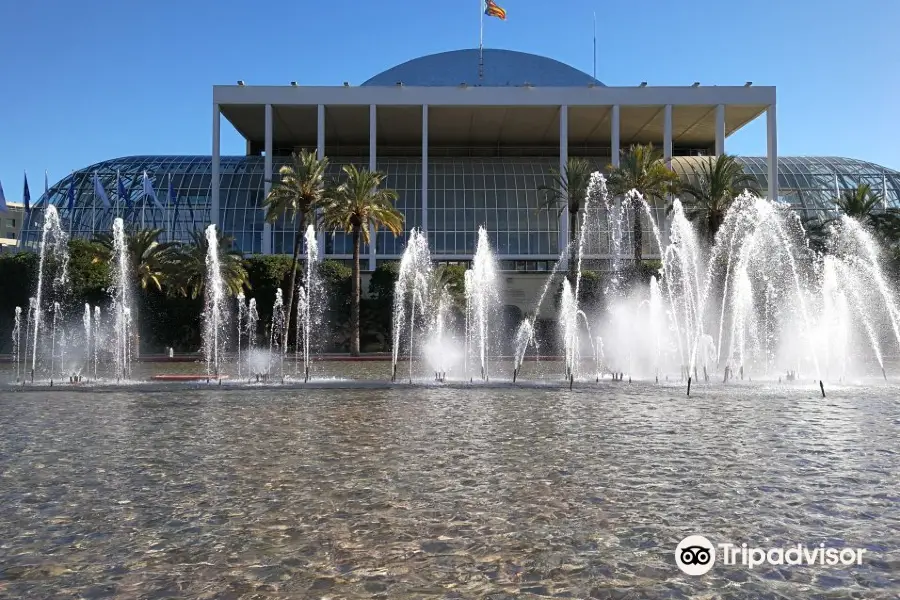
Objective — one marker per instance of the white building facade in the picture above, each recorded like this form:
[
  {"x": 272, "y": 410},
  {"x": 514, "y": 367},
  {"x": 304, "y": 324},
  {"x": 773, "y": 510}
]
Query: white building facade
[{"x": 465, "y": 151}]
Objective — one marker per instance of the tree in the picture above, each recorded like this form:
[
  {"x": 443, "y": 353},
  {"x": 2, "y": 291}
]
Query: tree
[
  {"x": 568, "y": 190},
  {"x": 190, "y": 269},
  {"x": 641, "y": 168},
  {"x": 89, "y": 278},
  {"x": 150, "y": 260},
  {"x": 712, "y": 190},
  {"x": 356, "y": 203},
  {"x": 866, "y": 206},
  {"x": 300, "y": 191}
]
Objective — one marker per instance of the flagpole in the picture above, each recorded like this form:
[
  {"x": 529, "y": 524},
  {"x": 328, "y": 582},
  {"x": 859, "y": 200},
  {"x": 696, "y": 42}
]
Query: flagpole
[
  {"x": 169, "y": 199},
  {"x": 481, "y": 42}
]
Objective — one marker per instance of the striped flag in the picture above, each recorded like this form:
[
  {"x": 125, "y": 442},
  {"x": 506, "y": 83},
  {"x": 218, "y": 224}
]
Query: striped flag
[
  {"x": 492, "y": 10},
  {"x": 100, "y": 192}
]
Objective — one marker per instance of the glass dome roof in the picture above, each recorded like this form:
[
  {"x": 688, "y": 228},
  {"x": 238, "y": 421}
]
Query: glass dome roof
[
  {"x": 808, "y": 184},
  {"x": 811, "y": 183},
  {"x": 502, "y": 68}
]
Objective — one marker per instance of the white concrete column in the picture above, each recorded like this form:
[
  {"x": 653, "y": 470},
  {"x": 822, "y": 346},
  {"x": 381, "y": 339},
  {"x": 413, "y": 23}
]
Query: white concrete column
[
  {"x": 772, "y": 152},
  {"x": 425, "y": 168},
  {"x": 563, "y": 160},
  {"x": 373, "y": 166},
  {"x": 214, "y": 179},
  {"x": 720, "y": 130},
  {"x": 667, "y": 135},
  {"x": 615, "y": 145},
  {"x": 320, "y": 154},
  {"x": 266, "y": 244}
]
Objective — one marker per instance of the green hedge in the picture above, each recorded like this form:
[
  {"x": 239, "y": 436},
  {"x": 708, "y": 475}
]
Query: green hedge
[{"x": 166, "y": 319}]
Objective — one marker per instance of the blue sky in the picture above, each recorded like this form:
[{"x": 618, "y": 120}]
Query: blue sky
[{"x": 84, "y": 81}]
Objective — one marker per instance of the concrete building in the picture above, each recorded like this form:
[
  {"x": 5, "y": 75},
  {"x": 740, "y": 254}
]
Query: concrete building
[
  {"x": 11, "y": 223},
  {"x": 463, "y": 149}
]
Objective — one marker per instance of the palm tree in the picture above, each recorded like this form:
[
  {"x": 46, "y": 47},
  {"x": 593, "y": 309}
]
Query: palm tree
[
  {"x": 866, "y": 206},
  {"x": 189, "y": 261},
  {"x": 355, "y": 204},
  {"x": 568, "y": 190},
  {"x": 149, "y": 259},
  {"x": 712, "y": 190},
  {"x": 641, "y": 168},
  {"x": 299, "y": 192}
]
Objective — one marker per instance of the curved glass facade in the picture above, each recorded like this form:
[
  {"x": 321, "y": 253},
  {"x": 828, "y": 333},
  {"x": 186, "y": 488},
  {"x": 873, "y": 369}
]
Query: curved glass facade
[
  {"x": 463, "y": 194},
  {"x": 810, "y": 183}
]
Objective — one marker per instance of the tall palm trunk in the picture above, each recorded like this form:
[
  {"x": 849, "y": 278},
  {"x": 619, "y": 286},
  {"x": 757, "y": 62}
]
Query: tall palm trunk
[
  {"x": 573, "y": 248},
  {"x": 298, "y": 241},
  {"x": 354, "y": 296},
  {"x": 638, "y": 237}
]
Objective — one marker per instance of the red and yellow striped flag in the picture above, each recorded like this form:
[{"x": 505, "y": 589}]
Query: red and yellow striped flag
[{"x": 492, "y": 10}]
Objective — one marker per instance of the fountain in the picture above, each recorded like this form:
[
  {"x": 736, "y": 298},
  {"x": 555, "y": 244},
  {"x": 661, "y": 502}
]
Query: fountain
[
  {"x": 482, "y": 304},
  {"x": 241, "y": 317},
  {"x": 215, "y": 318},
  {"x": 121, "y": 294},
  {"x": 252, "y": 333},
  {"x": 310, "y": 301},
  {"x": 86, "y": 324},
  {"x": 277, "y": 336},
  {"x": 17, "y": 339},
  {"x": 97, "y": 340},
  {"x": 410, "y": 295},
  {"x": 757, "y": 302},
  {"x": 52, "y": 280}
]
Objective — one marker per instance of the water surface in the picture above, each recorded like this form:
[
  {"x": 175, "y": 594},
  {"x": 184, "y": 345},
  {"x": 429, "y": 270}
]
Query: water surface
[{"x": 444, "y": 493}]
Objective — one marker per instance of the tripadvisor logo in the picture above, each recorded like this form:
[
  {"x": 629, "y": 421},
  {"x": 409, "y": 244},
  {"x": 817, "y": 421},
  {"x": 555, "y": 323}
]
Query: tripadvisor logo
[{"x": 696, "y": 555}]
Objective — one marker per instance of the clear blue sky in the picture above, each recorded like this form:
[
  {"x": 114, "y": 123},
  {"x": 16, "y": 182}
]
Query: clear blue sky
[{"x": 87, "y": 80}]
